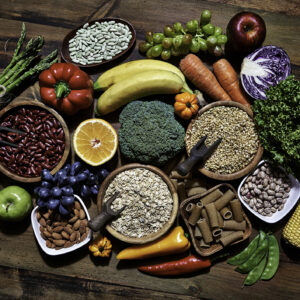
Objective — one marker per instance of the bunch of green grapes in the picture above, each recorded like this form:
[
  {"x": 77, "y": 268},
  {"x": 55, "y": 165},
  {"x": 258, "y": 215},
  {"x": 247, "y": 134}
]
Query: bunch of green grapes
[{"x": 177, "y": 40}]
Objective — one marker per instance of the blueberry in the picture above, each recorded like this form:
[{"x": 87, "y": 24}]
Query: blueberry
[
  {"x": 56, "y": 192},
  {"x": 46, "y": 175},
  {"x": 41, "y": 203},
  {"x": 63, "y": 180},
  {"x": 94, "y": 189},
  {"x": 67, "y": 168},
  {"x": 36, "y": 190},
  {"x": 85, "y": 191},
  {"x": 75, "y": 168},
  {"x": 63, "y": 210},
  {"x": 46, "y": 184},
  {"x": 44, "y": 193},
  {"x": 67, "y": 191},
  {"x": 81, "y": 177},
  {"x": 103, "y": 173},
  {"x": 67, "y": 200},
  {"x": 53, "y": 203},
  {"x": 91, "y": 179},
  {"x": 72, "y": 180}
]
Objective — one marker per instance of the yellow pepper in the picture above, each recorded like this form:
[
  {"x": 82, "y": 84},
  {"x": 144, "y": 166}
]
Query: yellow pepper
[
  {"x": 171, "y": 243},
  {"x": 101, "y": 246}
]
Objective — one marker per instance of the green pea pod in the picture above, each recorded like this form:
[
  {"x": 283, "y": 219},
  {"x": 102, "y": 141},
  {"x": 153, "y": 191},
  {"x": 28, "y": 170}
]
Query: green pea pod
[
  {"x": 255, "y": 258},
  {"x": 273, "y": 259},
  {"x": 255, "y": 273},
  {"x": 245, "y": 254}
]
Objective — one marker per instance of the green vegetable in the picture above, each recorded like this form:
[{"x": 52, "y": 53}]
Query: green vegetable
[
  {"x": 158, "y": 37},
  {"x": 165, "y": 54},
  {"x": 256, "y": 272},
  {"x": 169, "y": 31},
  {"x": 205, "y": 17},
  {"x": 149, "y": 37},
  {"x": 167, "y": 43},
  {"x": 278, "y": 122},
  {"x": 192, "y": 26},
  {"x": 273, "y": 259},
  {"x": 208, "y": 29},
  {"x": 255, "y": 258},
  {"x": 245, "y": 254},
  {"x": 156, "y": 50},
  {"x": 144, "y": 47},
  {"x": 149, "y": 132}
]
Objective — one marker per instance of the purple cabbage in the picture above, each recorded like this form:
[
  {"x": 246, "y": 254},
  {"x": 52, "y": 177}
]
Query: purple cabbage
[{"x": 263, "y": 68}]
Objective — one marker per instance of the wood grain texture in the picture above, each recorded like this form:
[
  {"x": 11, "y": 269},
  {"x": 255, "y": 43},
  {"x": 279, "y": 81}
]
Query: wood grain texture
[{"x": 25, "y": 271}]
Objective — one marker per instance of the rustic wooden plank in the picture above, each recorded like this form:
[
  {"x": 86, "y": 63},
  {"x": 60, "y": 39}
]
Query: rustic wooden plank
[
  {"x": 24, "y": 284},
  {"x": 289, "y": 7}
]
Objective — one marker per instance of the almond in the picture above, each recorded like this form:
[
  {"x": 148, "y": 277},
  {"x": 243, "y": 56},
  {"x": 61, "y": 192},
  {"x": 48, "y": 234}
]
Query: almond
[
  {"x": 73, "y": 236},
  {"x": 76, "y": 212},
  {"x": 42, "y": 222},
  {"x": 68, "y": 244},
  {"x": 59, "y": 243},
  {"x": 76, "y": 225},
  {"x": 73, "y": 220},
  {"x": 83, "y": 237},
  {"x": 58, "y": 229},
  {"x": 38, "y": 215},
  {"x": 49, "y": 228},
  {"x": 56, "y": 236},
  {"x": 47, "y": 233},
  {"x": 81, "y": 214},
  {"x": 82, "y": 229},
  {"x": 77, "y": 205},
  {"x": 46, "y": 215},
  {"x": 84, "y": 223},
  {"x": 77, "y": 236},
  {"x": 68, "y": 230},
  {"x": 65, "y": 235},
  {"x": 48, "y": 244}
]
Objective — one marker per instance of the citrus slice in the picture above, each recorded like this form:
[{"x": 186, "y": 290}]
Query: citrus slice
[{"x": 95, "y": 141}]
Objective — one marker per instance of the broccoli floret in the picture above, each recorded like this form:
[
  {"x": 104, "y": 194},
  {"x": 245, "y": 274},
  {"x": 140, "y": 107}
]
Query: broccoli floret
[{"x": 149, "y": 132}]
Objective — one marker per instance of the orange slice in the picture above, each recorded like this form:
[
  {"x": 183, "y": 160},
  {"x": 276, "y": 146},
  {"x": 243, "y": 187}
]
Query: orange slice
[{"x": 95, "y": 141}]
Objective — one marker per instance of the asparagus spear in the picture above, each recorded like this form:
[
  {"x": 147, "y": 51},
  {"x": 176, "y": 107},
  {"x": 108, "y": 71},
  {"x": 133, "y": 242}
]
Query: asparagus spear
[
  {"x": 23, "y": 65},
  {"x": 19, "y": 45},
  {"x": 42, "y": 65}
]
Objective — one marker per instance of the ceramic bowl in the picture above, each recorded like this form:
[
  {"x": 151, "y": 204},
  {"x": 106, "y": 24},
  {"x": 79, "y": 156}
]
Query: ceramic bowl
[
  {"x": 65, "y": 44},
  {"x": 53, "y": 252},
  {"x": 294, "y": 195}
]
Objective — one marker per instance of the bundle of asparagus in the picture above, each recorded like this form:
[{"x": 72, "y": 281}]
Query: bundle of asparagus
[{"x": 22, "y": 66}]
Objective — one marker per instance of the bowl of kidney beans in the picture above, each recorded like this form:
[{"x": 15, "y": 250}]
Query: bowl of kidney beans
[{"x": 45, "y": 143}]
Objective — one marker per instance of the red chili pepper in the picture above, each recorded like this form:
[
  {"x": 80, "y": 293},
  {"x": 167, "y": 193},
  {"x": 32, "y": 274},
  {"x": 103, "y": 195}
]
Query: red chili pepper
[{"x": 185, "y": 265}]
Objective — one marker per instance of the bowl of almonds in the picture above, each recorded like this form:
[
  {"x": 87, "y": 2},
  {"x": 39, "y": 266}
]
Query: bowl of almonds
[{"x": 57, "y": 234}]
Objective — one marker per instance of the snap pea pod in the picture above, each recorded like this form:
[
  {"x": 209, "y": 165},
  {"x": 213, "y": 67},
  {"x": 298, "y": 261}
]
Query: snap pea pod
[
  {"x": 273, "y": 259},
  {"x": 255, "y": 273},
  {"x": 255, "y": 258},
  {"x": 245, "y": 254}
]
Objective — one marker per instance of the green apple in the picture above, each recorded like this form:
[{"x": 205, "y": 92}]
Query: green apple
[{"x": 15, "y": 203}]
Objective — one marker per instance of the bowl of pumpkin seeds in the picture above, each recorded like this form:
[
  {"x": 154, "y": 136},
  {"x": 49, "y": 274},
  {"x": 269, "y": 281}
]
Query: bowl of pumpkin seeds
[{"x": 98, "y": 42}]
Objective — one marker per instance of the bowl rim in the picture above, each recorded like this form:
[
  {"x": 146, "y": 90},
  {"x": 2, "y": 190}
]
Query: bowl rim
[
  {"x": 64, "y": 48},
  {"x": 279, "y": 215},
  {"x": 166, "y": 226},
  {"x": 42, "y": 243},
  {"x": 245, "y": 170},
  {"x": 20, "y": 103}
]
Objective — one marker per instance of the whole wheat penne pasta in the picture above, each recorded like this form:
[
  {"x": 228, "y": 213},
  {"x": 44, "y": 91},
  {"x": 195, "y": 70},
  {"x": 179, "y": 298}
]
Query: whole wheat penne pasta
[
  {"x": 212, "y": 215},
  {"x": 220, "y": 219},
  {"x": 234, "y": 225},
  {"x": 211, "y": 197},
  {"x": 197, "y": 232},
  {"x": 205, "y": 231},
  {"x": 202, "y": 244},
  {"x": 204, "y": 214},
  {"x": 226, "y": 213},
  {"x": 216, "y": 232},
  {"x": 195, "y": 191},
  {"x": 236, "y": 209},
  {"x": 226, "y": 232},
  {"x": 195, "y": 215},
  {"x": 227, "y": 240},
  {"x": 224, "y": 200},
  {"x": 190, "y": 207}
]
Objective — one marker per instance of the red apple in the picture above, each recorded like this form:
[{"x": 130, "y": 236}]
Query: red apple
[{"x": 246, "y": 32}]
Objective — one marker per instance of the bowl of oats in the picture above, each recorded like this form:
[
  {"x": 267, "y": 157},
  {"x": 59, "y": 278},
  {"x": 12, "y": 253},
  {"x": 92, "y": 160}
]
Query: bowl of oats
[
  {"x": 239, "y": 151},
  {"x": 150, "y": 200}
]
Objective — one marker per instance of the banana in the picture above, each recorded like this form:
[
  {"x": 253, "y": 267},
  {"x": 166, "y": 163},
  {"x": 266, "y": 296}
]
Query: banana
[
  {"x": 131, "y": 68},
  {"x": 138, "y": 86}
]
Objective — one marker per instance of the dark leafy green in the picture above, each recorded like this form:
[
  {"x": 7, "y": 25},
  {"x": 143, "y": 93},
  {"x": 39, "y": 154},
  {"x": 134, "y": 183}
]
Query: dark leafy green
[{"x": 278, "y": 121}]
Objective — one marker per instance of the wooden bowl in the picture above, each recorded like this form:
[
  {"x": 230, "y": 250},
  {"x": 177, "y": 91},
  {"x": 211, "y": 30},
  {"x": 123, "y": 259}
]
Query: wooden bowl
[
  {"x": 216, "y": 246},
  {"x": 245, "y": 170},
  {"x": 65, "y": 54},
  {"x": 20, "y": 103},
  {"x": 152, "y": 236}
]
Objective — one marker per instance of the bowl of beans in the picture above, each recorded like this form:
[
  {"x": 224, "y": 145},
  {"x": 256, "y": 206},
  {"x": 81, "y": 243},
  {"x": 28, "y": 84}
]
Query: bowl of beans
[
  {"x": 150, "y": 200},
  {"x": 43, "y": 144},
  {"x": 98, "y": 42},
  {"x": 239, "y": 151}
]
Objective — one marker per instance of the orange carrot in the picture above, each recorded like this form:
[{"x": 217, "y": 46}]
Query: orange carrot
[
  {"x": 229, "y": 81},
  {"x": 195, "y": 70}
]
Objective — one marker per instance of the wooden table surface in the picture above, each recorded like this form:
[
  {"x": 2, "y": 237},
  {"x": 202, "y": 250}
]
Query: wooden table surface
[{"x": 25, "y": 271}]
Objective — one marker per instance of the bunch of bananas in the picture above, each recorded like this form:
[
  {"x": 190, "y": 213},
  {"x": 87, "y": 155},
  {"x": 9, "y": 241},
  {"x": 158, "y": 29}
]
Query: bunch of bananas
[{"x": 137, "y": 79}]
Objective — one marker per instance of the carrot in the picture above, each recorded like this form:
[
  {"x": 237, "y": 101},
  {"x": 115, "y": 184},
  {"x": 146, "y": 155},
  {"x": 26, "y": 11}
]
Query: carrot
[
  {"x": 228, "y": 79},
  {"x": 195, "y": 70}
]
